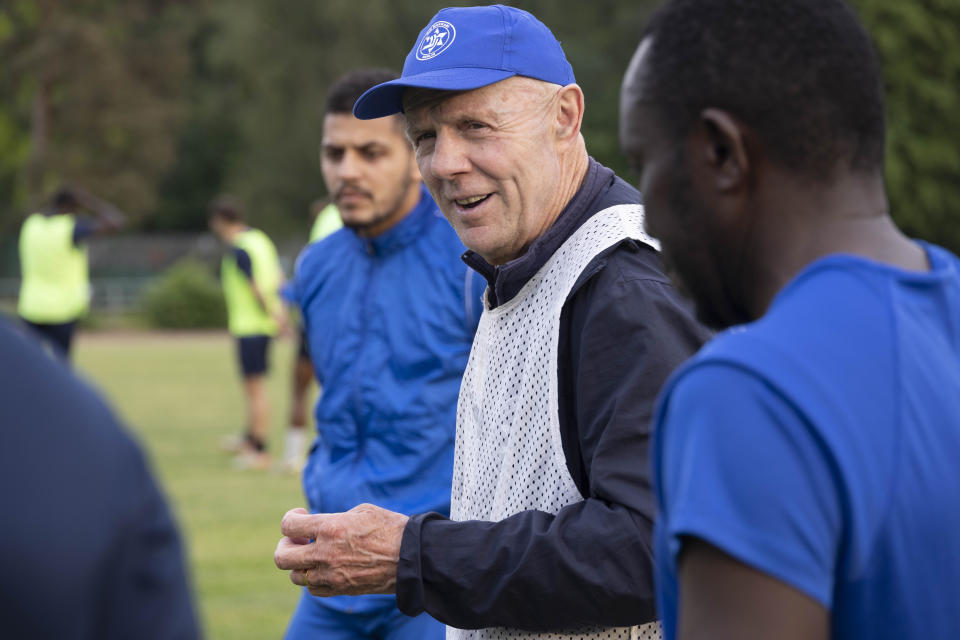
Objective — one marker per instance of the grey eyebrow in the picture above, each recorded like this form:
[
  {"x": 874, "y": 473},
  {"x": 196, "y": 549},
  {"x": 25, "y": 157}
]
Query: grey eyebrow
[{"x": 411, "y": 132}]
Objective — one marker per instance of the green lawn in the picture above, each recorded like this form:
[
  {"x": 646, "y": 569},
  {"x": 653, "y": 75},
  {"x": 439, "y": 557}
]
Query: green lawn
[{"x": 181, "y": 394}]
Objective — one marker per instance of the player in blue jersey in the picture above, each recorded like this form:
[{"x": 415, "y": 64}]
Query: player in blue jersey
[{"x": 805, "y": 460}]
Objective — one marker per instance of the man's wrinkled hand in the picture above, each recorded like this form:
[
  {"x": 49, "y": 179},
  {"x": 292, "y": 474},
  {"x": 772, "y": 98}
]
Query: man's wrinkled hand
[{"x": 351, "y": 553}]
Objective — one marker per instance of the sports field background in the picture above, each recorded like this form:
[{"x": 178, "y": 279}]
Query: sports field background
[{"x": 180, "y": 394}]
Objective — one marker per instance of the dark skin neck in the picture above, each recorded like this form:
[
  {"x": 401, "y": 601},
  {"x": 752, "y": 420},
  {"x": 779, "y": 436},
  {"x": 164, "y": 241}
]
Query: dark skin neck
[{"x": 811, "y": 220}]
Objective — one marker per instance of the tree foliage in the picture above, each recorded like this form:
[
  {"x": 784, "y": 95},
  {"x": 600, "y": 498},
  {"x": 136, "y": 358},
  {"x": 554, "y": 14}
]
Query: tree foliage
[
  {"x": 91, "y": 95},
  {"x": 284, "y": 56},
  {"x": 919, "y": 46},
  {"x": 186, "y": 296},
  {"x": 159, "y": 105}
]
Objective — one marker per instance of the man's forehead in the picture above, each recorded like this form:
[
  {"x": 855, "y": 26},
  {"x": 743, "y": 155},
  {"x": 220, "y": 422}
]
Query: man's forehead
[
  {"x": 516, "y": 91},
  {"x": 417, "y": 98},
  {"x": 344, "y": 127}
]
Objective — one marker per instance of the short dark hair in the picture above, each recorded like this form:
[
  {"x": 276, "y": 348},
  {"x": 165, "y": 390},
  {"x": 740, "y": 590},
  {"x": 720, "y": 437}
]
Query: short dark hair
[
  {"x": 803, "y": 74},
  {"x": 347, "y": 89},
  {"x": 65, "y": 198},
  {"x": 226, "y": 208}
]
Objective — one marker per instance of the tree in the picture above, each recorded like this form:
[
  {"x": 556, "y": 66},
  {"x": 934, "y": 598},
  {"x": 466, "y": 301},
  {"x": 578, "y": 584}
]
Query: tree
[
  {"x": 161, "y": 104},
  {"x": 96, "y": 83},
  {"x": 283, "y": 56},
  {"x": 918, "y": 47},
  {"x": 209, "y": 139}
]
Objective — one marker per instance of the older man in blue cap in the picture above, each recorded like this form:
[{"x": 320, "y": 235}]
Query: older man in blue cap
[{"x": 552, "y": 511}]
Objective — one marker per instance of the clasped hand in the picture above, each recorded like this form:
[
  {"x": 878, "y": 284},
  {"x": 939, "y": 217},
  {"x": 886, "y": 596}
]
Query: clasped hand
[{"x": 351, "y": 553}]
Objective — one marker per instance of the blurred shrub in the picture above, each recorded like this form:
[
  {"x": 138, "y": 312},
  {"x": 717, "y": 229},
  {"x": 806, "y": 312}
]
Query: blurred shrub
[{"x": 186, "y": 296}]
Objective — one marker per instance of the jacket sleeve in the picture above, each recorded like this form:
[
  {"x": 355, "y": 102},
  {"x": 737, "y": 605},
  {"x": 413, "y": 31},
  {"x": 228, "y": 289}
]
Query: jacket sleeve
[
  {"x": 624, "y": 330},
  {"x": 147, "y": 589}
]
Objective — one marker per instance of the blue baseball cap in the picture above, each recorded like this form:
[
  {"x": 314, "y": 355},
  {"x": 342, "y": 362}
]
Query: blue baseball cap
[{"x": 466, "y": 48}]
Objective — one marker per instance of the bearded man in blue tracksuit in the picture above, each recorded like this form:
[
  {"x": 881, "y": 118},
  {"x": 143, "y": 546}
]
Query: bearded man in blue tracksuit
[{"x": 390, "y": 312}]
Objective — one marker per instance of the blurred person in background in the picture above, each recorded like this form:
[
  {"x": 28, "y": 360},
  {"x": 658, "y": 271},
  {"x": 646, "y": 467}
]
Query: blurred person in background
[
  {"x": 88, "y": 547},
  {"x": 390, "y": 313},
  {"x": 326, "y": 220},
  {"x": 805, "y": 461},
  {"x": 252, "y": 278},
  {"x": 55, "y": 286}
]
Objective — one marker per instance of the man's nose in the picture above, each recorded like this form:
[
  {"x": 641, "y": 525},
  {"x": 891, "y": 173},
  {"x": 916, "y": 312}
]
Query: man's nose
[
  {"x": 350, "y": 166},
  {"x": 450, "y": 157}
]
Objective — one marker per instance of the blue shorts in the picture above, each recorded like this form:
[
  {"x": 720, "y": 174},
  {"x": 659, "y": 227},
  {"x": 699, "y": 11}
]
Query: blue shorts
[
  {"x": 59, "y": 336},
  {"x": 312, "y": 619},
  {"x": 252, "y": 351}
]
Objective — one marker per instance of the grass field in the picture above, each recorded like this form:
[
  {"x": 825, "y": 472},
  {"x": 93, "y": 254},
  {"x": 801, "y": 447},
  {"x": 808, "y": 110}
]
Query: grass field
[{"x": 180, "y": 394}]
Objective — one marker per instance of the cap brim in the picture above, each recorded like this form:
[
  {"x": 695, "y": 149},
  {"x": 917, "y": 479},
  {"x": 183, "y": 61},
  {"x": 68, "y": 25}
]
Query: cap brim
[{"x": 387, "y": 99}]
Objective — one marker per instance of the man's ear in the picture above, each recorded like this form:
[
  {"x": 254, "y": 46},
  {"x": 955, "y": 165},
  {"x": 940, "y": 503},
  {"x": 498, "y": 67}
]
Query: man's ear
[
  {"x": 569, "y": 113},
  {"x": 720, "y": 143}
]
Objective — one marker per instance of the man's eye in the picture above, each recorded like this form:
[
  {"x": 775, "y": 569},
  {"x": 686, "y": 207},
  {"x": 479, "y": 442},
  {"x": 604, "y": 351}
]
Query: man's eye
[{"x": 423, "y": 137}]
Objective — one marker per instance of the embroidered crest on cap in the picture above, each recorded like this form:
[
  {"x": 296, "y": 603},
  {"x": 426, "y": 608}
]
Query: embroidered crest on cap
[{"x": 438, "y": 39}]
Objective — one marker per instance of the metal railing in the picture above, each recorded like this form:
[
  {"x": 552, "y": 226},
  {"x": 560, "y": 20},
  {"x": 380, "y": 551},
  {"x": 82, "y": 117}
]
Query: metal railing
[{"x": 113, "y": 294}]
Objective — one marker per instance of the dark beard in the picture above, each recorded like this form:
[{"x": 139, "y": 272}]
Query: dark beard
[
  {"x": 715, "y": 309},
  {"x": 361, "y": 228}
]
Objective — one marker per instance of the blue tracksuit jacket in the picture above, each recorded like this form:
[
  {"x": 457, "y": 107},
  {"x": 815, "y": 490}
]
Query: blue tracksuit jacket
[{"x": 390, "y": 321}]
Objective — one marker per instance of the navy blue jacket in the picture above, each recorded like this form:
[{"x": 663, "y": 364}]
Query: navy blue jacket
[
  {"x": 87, "y": 546},
  {"x": 623, "y": 329}
]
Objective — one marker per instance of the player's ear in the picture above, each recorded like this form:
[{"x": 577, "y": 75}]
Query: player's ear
[
  {"x": 569, "y": 113},
  {"x": 720, "y": 147}
]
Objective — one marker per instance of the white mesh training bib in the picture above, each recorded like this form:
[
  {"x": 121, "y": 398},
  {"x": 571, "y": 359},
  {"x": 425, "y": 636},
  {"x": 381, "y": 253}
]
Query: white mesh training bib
[{"x": 508, "y": 455}]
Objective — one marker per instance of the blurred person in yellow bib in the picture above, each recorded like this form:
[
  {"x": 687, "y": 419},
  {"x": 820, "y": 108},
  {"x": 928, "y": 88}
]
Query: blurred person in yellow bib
[
  {"x": 55, "y": 285},
  {"x": 251, "y": 277}
]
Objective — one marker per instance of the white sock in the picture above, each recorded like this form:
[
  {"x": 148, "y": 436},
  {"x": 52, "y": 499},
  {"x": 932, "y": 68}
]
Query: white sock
[{"x": 295, "y": 441}]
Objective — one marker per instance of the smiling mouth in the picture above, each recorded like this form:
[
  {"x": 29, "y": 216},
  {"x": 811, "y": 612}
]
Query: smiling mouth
[{"x": 471, "y": 202}]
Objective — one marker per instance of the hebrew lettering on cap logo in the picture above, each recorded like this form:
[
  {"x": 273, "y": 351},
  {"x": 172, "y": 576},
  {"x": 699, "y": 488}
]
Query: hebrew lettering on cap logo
[{"x": 438, "y": 39}]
